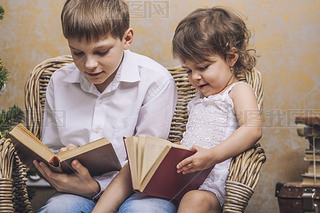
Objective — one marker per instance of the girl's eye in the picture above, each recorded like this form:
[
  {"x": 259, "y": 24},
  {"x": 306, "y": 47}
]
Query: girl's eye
[
  {"x": 187, "y": 71},
  {"x": 203, "y": 68},
  {"x": 77, "y": 53}
]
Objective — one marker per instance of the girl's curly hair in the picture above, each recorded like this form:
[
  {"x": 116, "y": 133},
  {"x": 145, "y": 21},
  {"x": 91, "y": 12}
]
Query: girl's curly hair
[{"x": 216, "y": 30}]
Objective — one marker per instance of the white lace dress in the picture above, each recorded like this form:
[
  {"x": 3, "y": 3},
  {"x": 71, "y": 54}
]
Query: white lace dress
[{"x": 211, "y": 121}]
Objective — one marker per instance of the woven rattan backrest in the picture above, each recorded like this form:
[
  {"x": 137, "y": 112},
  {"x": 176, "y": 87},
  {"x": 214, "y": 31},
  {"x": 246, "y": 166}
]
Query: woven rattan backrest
[
  {"x": 35, "y": 91},
  {"x": 186, "y": 92},
  {"x": 35, "y": 94}
]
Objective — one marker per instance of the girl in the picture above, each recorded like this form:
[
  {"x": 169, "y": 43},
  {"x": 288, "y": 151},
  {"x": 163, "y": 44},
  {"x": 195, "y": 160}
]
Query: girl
[{"x": 224, "y": 118}]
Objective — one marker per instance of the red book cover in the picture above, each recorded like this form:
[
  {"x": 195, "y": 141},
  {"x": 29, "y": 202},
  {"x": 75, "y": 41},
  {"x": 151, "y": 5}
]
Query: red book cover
[{"x": 167, "y": 183}]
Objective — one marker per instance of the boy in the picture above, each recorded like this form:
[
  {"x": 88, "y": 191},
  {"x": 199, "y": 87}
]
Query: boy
[{"x": 107, "y": 92}]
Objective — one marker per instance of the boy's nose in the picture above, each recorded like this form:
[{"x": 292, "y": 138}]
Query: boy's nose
[{"x": 91, "y": 62}]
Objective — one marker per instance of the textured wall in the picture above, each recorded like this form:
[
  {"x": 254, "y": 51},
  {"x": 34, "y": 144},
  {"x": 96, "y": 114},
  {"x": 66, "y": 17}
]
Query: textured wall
[{"x": 286, "y": 36}]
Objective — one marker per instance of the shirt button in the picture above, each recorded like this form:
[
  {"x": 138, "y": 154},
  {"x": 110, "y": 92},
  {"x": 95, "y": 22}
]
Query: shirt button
[{"x": 97, "y": 130}]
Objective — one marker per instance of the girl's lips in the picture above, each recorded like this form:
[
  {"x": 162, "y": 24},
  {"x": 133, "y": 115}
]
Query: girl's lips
[{"x": 202, "y": 86}]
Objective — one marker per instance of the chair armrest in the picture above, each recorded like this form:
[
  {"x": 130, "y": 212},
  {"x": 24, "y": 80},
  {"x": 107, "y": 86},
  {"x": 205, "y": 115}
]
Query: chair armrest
[
  {"x": 13, "y": 179},
  {"x": 244, "y": 173}
]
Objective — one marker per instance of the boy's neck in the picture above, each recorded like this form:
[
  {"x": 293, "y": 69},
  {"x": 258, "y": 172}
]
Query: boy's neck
[{"x": 101, "y": 87}]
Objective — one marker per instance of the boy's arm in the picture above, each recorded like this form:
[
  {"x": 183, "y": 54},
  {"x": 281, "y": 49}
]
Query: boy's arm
[
  {"x": 116, "y": 193},
  {"x": 156, "y": 114},
  {"x": 50, "y": 136},
  {"x": 248, "y": 133}
]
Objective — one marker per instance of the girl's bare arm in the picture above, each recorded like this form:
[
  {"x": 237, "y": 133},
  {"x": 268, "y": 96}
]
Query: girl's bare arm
[{"x": 116, "y": 193}]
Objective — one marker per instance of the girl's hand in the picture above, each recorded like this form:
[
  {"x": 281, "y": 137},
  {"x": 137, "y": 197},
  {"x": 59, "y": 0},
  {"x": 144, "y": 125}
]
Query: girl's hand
[{"x": 201, "y": 160}]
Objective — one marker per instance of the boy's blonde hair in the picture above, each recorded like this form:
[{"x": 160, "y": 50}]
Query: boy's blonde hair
[
  {"x": 209, "y": 31},
  {"x": 94, "y": 19}
]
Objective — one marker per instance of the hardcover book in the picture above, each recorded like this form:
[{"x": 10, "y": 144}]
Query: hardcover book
[
  {"x": 152, "y": 163},
  {"x": 98, "y": 156}
]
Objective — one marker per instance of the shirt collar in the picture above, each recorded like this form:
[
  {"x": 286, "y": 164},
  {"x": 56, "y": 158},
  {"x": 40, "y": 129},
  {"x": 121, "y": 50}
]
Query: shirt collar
[
  {"x": 129, "y": 70},
  {"x": 74, "y": 76}
]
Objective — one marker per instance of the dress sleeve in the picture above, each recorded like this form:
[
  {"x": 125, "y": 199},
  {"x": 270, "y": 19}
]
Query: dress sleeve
[{"x": 192, "y": 101}]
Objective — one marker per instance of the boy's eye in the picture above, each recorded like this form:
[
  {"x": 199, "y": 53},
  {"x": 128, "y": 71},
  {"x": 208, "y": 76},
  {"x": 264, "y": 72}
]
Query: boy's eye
[{"x": 102, "y": 53}]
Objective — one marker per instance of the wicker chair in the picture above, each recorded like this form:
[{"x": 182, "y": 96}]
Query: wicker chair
[{"x": 244, "y": 169}]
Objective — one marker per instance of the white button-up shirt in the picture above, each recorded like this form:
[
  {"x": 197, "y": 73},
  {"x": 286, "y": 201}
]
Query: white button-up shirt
[{"x": 139, "y": 101}]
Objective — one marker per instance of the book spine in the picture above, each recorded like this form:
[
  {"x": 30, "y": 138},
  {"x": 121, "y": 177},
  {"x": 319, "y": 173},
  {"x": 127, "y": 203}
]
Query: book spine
[{"x": 55, "y": 162}]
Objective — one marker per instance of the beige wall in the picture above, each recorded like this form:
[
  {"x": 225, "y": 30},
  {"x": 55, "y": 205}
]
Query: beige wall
[{"x": 286, "y": 36}]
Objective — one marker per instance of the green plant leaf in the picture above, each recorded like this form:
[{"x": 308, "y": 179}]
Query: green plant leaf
[
  {"x": 1, "y": 12},
  {"x": 9, "y": 119}
]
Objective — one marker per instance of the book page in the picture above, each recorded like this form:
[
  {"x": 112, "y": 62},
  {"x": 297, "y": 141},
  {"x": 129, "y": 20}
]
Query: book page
[
  {"x": 25, "y": 137},
  {"x": 145, "y": 153},
  {"x": 132, "y": 154},
  {"x": 140, "y": 156},
  {"x": 82, "y": 149},
  {"x": 29, "y": 147},
  {"x": 29, "y": 134},
  {"x": 154, "y": 166},
  {"x": 152, "y": 149}
]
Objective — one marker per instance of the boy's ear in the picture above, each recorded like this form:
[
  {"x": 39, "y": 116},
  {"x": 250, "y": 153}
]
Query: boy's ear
[
  {"x": 232, "y": 57},
  {"x": 127, "y": 38}
]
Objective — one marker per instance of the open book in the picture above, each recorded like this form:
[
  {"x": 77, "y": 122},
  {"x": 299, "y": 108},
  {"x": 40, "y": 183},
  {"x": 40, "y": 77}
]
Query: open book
[
  {"x": 98, "y": 157},
  {"x": 152, "y": 163}
]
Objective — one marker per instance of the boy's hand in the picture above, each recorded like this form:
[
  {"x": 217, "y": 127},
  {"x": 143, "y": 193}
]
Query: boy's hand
[
  {"x": 70, "y": 146},
  {"x": 79, "y": 183},
  {"x": 201, "y": 160}
]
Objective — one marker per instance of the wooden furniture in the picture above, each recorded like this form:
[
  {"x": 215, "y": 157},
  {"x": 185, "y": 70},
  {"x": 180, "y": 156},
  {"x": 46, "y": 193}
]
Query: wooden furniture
[
  {"x": 244, "y": 169},
  {"x": 309, "y": 128},
  {"x": 294, "y": 197}
]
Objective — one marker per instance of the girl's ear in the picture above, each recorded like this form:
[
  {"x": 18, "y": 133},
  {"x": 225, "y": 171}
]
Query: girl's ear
[
  {"x": 127, "y": 38},
  {"x": 232, "y": 57}
]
